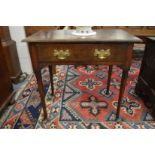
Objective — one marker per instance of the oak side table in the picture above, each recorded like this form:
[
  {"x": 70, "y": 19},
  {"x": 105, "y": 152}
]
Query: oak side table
[{"x": 61, "y": 47}]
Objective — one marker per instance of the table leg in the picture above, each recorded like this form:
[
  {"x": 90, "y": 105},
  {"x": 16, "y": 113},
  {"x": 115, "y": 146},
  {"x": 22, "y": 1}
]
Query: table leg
[
  {"x": 41, "y": 91},
  {"x": 51, "y": 78},
  {"x": 75, "y": 66},
  {"x": 109, "y": 79},
  {"x": 96, "y": 67},
  {"x": 122, "y": 88}
]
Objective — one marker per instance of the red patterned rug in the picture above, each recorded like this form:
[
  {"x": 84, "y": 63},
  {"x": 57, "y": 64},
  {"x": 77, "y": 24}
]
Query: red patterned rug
[{"x": 80, "y": 101}]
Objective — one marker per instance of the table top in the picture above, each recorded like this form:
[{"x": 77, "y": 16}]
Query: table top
[
  {"x": 151, "y": 38},
  {"x": 56, "y": 36}
]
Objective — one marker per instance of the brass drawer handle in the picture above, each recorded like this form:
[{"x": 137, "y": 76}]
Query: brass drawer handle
[
  {"x": 61, "y": 54},
  {"x": 102, "y": 54}
]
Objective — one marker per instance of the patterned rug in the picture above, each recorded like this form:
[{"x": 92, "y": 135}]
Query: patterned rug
[{"x": 80, "y": 101}]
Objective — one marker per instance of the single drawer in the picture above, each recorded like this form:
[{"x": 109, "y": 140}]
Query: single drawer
[{"x": 82, "y": 52}]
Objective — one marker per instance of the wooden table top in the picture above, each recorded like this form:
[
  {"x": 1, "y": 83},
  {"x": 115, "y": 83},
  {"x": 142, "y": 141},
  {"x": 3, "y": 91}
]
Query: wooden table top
[
  {"x": 56, "y": 36},
  {"x": 151, "y": 38}
]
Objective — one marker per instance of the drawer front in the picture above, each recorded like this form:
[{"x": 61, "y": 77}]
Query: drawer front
[{"x": 82, "y": 52}]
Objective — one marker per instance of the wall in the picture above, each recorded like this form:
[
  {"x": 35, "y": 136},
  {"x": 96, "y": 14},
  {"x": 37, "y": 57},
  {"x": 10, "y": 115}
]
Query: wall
[{"x": 17, "y": 34}]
